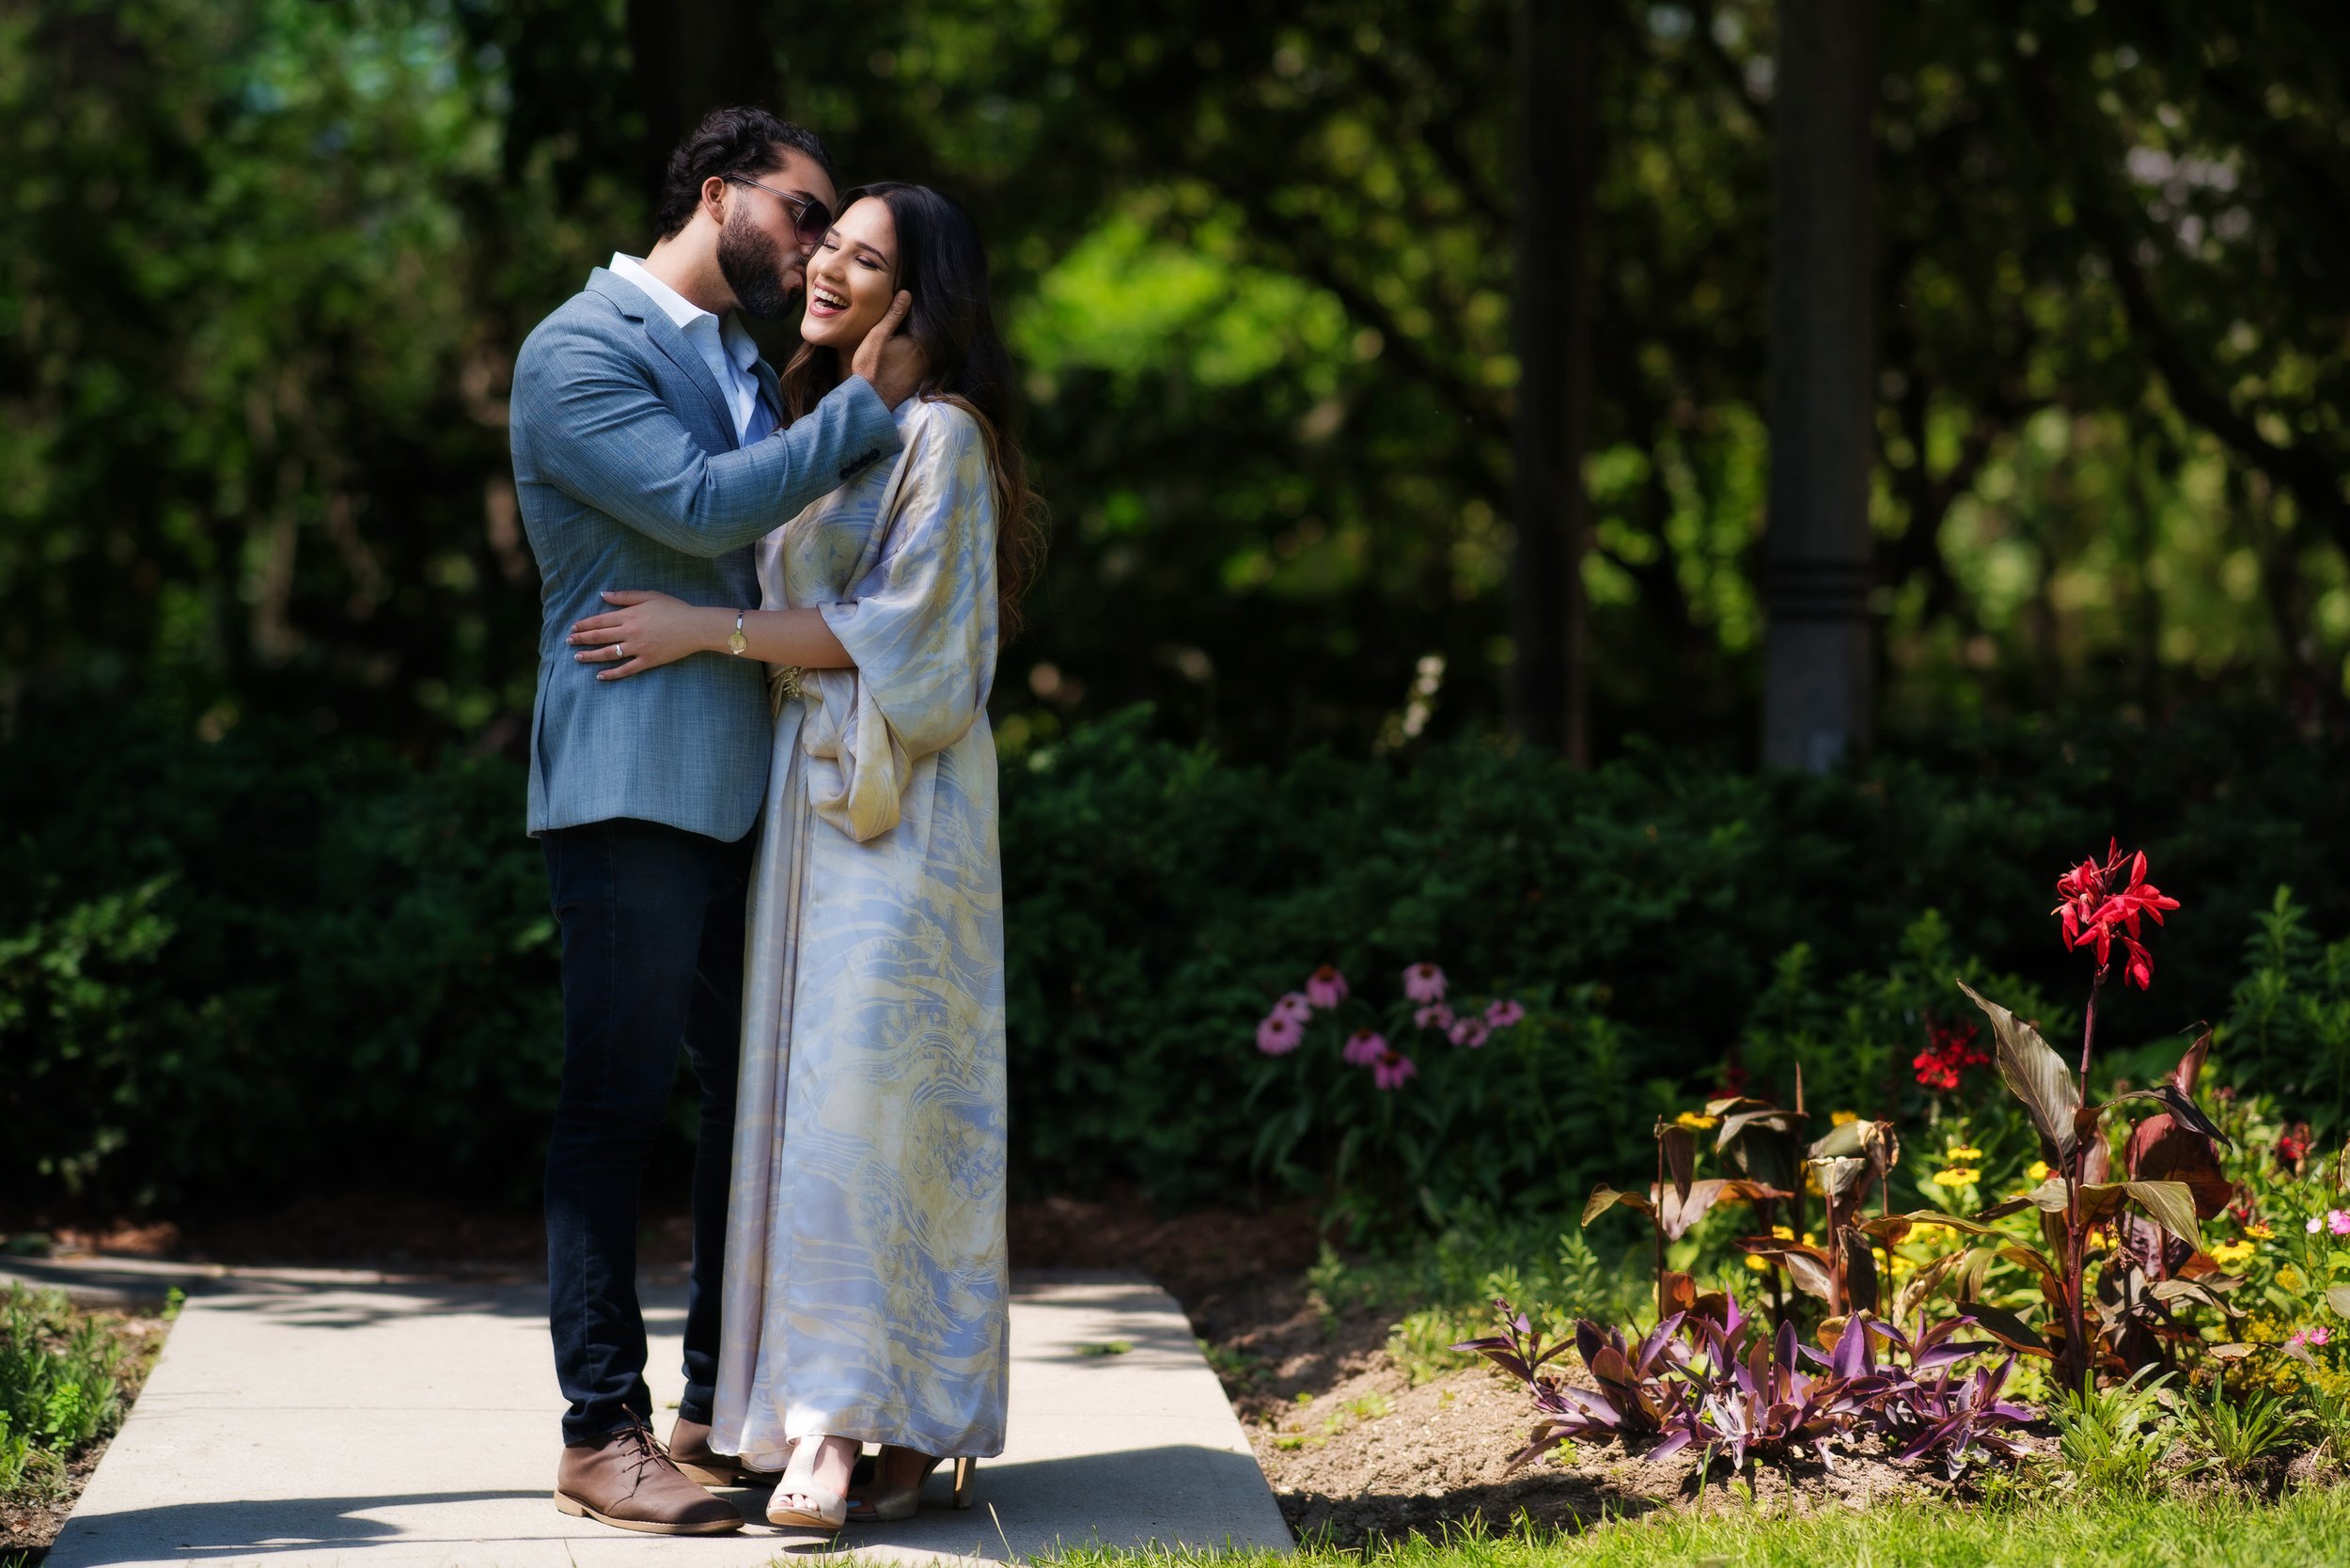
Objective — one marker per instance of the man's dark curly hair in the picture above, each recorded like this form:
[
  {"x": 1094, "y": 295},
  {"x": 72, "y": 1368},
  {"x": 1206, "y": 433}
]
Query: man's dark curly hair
[{"x": 741, "y": 140}]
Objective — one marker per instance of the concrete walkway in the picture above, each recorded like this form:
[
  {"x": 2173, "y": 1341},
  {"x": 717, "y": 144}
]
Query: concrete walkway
[{"x": 310, "y": 1422}]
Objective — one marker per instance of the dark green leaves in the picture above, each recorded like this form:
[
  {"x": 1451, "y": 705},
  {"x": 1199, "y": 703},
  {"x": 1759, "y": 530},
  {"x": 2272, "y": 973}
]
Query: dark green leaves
[
  {"x": 2009, "y": 1329},
  {"x": 2170, "y": 1204},
  {"x": 2034, "y": 1074},
  {"x": 1681, "y": 1156}
]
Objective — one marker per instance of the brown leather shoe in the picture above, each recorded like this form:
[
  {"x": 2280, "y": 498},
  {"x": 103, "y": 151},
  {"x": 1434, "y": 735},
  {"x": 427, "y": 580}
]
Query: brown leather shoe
[
  {"x": 625, "y": 1479},
  {"x": 689, "y": 1447}
]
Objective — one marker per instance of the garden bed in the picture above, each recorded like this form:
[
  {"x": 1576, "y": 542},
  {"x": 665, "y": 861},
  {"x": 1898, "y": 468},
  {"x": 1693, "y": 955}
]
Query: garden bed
[
  {"x": 52, "y": 1357},
  {"x": 1359, "y": 1453}
]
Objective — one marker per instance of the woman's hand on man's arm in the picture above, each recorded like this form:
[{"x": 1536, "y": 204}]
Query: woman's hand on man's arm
[{"x": 645, "y": 630}]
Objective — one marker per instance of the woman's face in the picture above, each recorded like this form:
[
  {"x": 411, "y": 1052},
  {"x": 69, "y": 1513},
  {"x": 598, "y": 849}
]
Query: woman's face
[{"x": 852, "y": 277}]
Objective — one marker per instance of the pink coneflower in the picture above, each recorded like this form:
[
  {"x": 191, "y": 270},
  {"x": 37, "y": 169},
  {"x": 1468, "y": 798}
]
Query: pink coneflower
[
  {"x": 1364, "y": 1047},
  {"x": 1326, "y": 986},
  {"x": 1501, "y": 1014},
  {"x": 1424, "y": 983},
  {"x": 1436, "y": 1015},
  {"x": 1294, "y": 1007},
  {"x": 1279, "y": 1034},
  {"x": 1470, "y": 1032},
  {"x": 1391, "y": 1069}
]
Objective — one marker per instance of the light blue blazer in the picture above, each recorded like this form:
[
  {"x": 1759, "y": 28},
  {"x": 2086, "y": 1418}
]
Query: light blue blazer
[{"x": 630, "y": 476}]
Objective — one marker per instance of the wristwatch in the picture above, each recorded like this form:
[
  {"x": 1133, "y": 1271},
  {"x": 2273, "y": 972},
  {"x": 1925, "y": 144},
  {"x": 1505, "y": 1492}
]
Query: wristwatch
[{"x": 736, "y": 641}]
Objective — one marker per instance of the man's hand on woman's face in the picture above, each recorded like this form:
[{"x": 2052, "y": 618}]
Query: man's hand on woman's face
[
  {"x": 894, "y": 365},
  {"x": 646, "y": 630}
]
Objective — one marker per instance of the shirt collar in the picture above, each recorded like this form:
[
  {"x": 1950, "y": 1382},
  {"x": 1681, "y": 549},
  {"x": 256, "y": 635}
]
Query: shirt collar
[
  {"x": 685, "y": 312},
  {"x": 740, "y": 347}
]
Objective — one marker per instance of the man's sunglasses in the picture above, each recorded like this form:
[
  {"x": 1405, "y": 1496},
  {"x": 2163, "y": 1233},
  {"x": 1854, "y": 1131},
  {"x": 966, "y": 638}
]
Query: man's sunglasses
[{"x": 811, "y": 217}]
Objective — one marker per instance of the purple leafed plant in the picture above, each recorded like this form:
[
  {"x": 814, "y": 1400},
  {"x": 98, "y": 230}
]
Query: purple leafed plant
[
  {"x": 1730, "y": 1385},
  {"x": 1633, "y": 1399}
]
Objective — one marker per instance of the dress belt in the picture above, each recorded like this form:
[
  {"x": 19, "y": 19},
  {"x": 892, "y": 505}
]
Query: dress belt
[{"x": 783, "y": 685}]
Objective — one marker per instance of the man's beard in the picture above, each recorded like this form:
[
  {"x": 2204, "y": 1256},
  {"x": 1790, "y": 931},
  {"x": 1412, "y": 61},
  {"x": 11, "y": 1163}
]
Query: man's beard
[{"x": 748, "y": 261}]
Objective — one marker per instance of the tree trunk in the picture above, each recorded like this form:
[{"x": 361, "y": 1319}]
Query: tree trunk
[
  {"x": 693, "y": 56},
  {"x": 1817, "y": 703},
  {"x": 1556, "y": 129}
]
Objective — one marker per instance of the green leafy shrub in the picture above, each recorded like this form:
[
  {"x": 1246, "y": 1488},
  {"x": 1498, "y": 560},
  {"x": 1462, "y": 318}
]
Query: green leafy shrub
[
  {"x": 2111, "y": 1440},
  {"x": 263, "y": 961},
  {"x": 240, "y": 966},
  {"x": 57, "y": 1381},
  {"x": 2288, "y": 1026},
  {"x": 2239, "y": 1434}
]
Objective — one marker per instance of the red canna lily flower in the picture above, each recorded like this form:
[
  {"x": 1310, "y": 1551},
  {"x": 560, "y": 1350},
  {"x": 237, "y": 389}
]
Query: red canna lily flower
[
  {"x": 1950, "y": 1050},
  {"x": 2103, "y": 905}
]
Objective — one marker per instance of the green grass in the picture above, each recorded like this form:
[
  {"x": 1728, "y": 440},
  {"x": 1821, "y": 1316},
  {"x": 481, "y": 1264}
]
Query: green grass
[{"x": 2306, "y": 1528}]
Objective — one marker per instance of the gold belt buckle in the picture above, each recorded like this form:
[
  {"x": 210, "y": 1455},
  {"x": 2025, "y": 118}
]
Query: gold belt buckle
[{"x": 783, "y": 685}]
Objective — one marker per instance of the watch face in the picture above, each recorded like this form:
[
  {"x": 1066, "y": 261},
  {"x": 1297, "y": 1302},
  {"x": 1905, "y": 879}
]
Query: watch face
[{"x": 736, "y": 642}]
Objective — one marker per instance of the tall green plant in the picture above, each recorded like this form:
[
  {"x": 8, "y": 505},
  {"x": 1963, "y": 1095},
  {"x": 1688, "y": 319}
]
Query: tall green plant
[{"x": 2290, "y": 1015}]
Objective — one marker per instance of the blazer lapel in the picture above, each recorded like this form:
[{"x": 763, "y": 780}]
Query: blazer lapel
[
  {"x": 771, "y": 389},
  {"x": 669, "y": 340}
]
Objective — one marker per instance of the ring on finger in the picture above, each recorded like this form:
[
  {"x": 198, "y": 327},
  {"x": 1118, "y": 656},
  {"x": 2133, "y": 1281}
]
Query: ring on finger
[{"x": 617, "y": 654}]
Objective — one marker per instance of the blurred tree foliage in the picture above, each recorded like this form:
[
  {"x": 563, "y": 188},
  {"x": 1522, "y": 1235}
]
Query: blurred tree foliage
[{"x": 269, "y": 263}]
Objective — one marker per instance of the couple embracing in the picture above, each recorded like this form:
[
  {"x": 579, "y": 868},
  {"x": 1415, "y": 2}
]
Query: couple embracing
[{"x": 763, "y": 778}]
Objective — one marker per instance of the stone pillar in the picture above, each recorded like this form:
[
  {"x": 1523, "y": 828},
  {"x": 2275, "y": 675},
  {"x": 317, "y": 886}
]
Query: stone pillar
[
  {"x": 1817, "y": 701},
  {"x": 1556, "y": 126}
]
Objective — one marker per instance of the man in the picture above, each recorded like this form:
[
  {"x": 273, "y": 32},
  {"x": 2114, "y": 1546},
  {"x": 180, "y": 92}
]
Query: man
[{"x": 647, "y": 455}]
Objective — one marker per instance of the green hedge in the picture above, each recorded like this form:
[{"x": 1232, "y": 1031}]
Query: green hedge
[{"x": 244, "y": 967}]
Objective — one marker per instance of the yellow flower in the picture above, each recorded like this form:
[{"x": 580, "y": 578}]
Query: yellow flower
[
  {"x": 1837, "y": 1118},
  {"x": 1957, "y": 1176},
  {"x": 1959, "y": 1153},
  {"x": 2258, "y": 1232},
  {"x": 1695, "y": 1122},
  {"x": 1927, "y": 1227},
  {"x": 1811, "y": 1240},
  {"x": 1760, "y": 1265},
  {"x": 2036, "y": 1171},
  {"x": 1783, "y": 1233},
  {"x": 2228, "y": 1254}
]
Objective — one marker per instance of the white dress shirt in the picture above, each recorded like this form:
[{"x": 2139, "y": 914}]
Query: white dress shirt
[{"x": 725, "y": 347}]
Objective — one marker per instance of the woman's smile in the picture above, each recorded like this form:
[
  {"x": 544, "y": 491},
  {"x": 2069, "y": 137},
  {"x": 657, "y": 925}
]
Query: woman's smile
[{"x": 851, "y": 276}]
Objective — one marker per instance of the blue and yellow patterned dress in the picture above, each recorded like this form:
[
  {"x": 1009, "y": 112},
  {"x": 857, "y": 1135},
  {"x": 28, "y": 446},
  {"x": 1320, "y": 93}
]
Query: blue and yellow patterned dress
[{"x": 865, "y": 1279}]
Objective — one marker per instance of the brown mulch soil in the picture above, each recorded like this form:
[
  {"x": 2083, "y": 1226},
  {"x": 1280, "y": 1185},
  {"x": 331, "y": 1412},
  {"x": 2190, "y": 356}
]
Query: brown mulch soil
[{"x": 1355, "y": 1454}]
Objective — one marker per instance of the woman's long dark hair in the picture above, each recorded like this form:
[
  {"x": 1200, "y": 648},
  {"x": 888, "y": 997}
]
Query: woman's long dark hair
[{"x": 942, "y": 263}]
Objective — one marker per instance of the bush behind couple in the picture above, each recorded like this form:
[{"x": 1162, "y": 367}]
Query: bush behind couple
[{"x": 763, "y": 779}]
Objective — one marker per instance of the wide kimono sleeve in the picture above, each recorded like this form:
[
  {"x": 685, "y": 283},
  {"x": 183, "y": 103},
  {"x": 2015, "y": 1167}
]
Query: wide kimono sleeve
[{"x": 921, "y": 628}]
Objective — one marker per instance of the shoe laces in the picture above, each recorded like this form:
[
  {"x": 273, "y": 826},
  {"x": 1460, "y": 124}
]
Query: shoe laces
[{"x": 644, "y": 1449}]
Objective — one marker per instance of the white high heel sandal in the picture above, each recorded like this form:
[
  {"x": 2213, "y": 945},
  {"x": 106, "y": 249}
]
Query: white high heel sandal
[{"x": 830, "y": 1513}]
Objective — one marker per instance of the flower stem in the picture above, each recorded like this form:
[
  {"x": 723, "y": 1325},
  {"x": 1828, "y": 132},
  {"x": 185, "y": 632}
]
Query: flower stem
[
  {"x": 1658, "y": 1216},
  {"x": 2075, "y": 1230}
]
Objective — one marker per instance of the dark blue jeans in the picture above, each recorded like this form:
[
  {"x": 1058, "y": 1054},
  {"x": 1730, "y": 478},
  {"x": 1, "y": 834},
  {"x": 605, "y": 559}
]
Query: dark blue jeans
[{"x": 652, "y": 923}]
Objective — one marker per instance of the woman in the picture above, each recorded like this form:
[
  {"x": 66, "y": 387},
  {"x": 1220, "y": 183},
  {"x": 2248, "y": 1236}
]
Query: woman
[{"x": 865, "y": 1285}]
